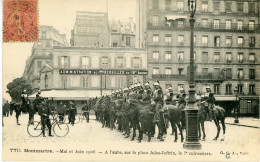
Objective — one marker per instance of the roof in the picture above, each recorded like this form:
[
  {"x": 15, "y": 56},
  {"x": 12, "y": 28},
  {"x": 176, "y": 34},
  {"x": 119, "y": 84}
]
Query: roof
[{"x": 71, "y": 94}]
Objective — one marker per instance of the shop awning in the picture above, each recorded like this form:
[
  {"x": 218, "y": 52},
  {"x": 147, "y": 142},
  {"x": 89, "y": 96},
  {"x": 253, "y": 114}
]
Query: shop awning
[
  {"x": 225, "y": 98},
  {"x": 175, "y": 17},
  {"x": 71, "y": 94}
]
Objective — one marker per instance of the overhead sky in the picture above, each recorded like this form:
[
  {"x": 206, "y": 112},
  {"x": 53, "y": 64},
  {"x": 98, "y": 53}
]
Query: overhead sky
[{"x": 61, "y": 14}]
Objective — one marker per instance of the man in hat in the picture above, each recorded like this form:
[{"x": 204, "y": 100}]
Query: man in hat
[
  {"x": 23, "y": 98},
  {"x": 148, "y": 93},
  {"x": 139, "y": 91},
  {"x": 169, "y": 97},
  {"x": 210, "y": 101},
  {"x": 181, "y": 105},
  {"x": 44, "y": 112},
  {"x": 72, "y": 110},
  {"x": 85, "y": 109}
]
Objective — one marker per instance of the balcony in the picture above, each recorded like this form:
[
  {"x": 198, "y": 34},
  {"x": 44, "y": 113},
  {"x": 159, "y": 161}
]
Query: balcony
[
  {"x": 171, "y": 76},
  {"x": 163, "y": 25},
  {"x": 210, "y": 77}
]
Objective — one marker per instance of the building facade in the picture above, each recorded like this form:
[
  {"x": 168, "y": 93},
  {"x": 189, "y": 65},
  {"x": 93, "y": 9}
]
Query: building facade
[
  {"x": 122, "y": 33},
  {"x": 226, "y": 45},
  {"x": 41, "y": 54},
  {"x": 91, "y": 29}
]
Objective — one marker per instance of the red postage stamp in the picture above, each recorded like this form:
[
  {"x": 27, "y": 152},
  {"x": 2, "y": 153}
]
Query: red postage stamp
[{"x": 20, "y": 20}]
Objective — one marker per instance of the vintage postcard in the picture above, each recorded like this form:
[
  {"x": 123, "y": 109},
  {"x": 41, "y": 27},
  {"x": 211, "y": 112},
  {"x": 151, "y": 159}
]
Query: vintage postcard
[{"x": 130, "y": 80}]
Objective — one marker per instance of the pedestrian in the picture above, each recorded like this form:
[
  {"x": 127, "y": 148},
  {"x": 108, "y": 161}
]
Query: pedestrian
[
  {"x": 85, "y": 109},
  {"x": 31, "y": 111},
  {"x": 7, "y": 109},
  {"x": 72, "y": 110},
  {"x": 23, "y": 98},
  {"x": 61, "y": 109},
  {"x": 44, "y": 112},
  {"x": 11, "y": 109},
  {"x": 17, "y": 108}
]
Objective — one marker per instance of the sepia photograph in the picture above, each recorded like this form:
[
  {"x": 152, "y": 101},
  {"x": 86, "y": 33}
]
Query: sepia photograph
[{"x": 130, "y": 80}]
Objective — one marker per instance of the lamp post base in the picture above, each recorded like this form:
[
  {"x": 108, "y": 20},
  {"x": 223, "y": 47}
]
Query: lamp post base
[{"x": 192, "y": 146}]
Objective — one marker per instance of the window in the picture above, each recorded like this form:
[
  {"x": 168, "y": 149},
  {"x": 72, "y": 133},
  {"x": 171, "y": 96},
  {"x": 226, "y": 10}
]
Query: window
[
  {"x": 168, "y": 38},
  {"x": 228, "y": 6},
  {"x": 251, "y": 58},
  {"x": 155, "y": 70},
  {"x": 168, "y": 4},
  {"x": 168, "y": 55},
  {"x": 251, "y": 25},
  {"x": 229, "y": 57},
  {"x": 85, "y": 62},
  {"x": 155, "y": 38},
  {"x": 229, "y": 73},
  {"x": 251, "y": 8},
  {"x": 180, "y": 39},
  {"x": 136, "y": 62},
  {"x": 180, "y": 6},
  {"x": 64, "y": 62},
  {"x": 217, "y": 57},
  {"x": 204, "y": 23},
  {"x": 180, "y": 24},
  {"x": 252, "y": 89},
  {"x": 120, "y": 62},
  {"x": 216, "y": 88},
  {"x": 251, "y": 73},
  {"x": 204, "y": 57},
  {"x": 204, "y": 71},
  {"x": 156, "y": 55},
  {"x": 228, "y": 24},
  {"x": 240, "y": 74},
  {"x": 180, "y": 70},
  {"x": 104, "y": 61},
  {"x": 168, "y": 71},
  {"x": 84, "y": 81},
  {"x": 65, "y": 82},
  {"x": 216, "y": 41},
  {"x": 155, "y": 4},
  {"x": 240, "y": 7},
  {"x": 229, "y": 89},
  {"x": 128, "y": 41},
  {"x": 240, "y": 88},
  {"x": 180, "y": 56},
  {"x": 216, "y": 24},
  {"x": 228, "y": 41},
  {"x": 46, "y": 81},
  {"x": 240, "y": 41},
  {"x": 204, "y": 6},
  {"x": 239, "y": 25},
  {"x": 43, "y": 34},
  {"x": 240, "y": 57},
  {"x": 205, "y": 40},
  {"x": 216, "y": 6},
  {"x": 251, "y": 41},
  {"x": 155, "y": 20},
  {"x": 39, "y": 64},
  {"x": 114, "y": 44}
]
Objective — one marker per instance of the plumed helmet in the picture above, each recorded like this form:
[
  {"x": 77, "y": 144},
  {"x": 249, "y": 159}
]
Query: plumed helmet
[
  {"x": 170, "y": 88},
  {"x": 139, "y": 84},
  {"x": 207, "y": 87},
  {"x": 156, "y": 83},
  {"x": 147, "y": 84}
]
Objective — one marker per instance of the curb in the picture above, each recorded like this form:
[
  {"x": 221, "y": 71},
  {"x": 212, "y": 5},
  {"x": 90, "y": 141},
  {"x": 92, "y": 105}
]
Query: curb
[{"x": 243, "y": 125}]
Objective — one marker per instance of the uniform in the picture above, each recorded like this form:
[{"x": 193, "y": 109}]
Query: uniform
[
  {"x": 210, "y": 101},
  {"x": 169, "y": 97},
  {"x": 44, "y": 112},
  {"x": 158, "y": 102},
  {"x": 85, "y": 109},
  {"x": 182, "y": 103},
  {"x": 24, "y": 100},
  {"x": 72, "y": 110}
]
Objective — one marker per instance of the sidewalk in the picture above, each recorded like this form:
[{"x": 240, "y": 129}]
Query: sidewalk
[{"x": 244, "y": 121}]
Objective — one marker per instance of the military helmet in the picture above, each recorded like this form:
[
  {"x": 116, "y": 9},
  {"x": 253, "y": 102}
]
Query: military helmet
[
  {"x": 156, "y": 83},
  {"x": 207, "y": 87},
  {"x": 147, "y": 84}
]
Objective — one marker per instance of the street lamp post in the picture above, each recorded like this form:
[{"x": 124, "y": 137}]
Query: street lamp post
[
  {"x": 237, "y": 105},
  {"x": 191, "y": 110},
  {"x": 101, "y": 81}
]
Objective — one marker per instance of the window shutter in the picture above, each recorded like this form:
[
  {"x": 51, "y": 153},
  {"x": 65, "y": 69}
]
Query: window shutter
[{"x": 69, "y": 61}]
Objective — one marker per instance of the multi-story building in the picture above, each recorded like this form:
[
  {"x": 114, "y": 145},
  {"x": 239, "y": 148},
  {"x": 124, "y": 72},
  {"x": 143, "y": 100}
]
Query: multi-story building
[
  {"x": 226, "y": 39},
  {"x": 91, "y": 29},
  {"x": 80, "y": 73},
  {"x": 122, "y": 33},
  {"x": 41, "y": 53}
]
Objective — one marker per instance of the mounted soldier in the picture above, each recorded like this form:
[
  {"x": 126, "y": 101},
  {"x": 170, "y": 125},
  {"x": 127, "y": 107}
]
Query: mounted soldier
[
  {"x": 169, "y": 97},
  {"x": 210, "y": 101},
  {"x": 139, "y": 91},
  {"x": 148, "y": 93},
  {"x": 181, "y": 105}
]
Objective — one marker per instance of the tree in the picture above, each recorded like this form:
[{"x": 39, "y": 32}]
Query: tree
[{"x": 16, "y": 87}]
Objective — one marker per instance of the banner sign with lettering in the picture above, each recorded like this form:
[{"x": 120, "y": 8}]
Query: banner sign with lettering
[{"x": 103, "y": 72}]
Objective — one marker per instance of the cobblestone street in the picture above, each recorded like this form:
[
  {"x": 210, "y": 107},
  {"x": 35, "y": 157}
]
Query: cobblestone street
[{"x": 92, "y": 137}]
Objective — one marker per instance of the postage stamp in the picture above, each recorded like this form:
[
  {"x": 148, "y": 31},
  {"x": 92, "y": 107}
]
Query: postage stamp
[{"x": 20, "y": 20}]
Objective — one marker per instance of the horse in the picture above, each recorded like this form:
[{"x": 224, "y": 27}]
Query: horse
[
  {"x": 174, "y": 116},
  {"x": 105, "y": 112},
  {"x": 218, "y": 115}
]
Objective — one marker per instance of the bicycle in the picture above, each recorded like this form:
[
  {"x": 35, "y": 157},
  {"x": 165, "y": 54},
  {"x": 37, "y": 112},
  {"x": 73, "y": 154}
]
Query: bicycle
[
  {"x": 60, "y": 129},
  {"x": 66, "y": 119}
]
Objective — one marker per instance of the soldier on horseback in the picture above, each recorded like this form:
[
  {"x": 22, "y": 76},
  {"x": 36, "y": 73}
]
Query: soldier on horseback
[
  {"x": 210, "y": 101},
  {"x": 169, "y": 97},
  {"x": 148, "y": 93},
  {"x": 139, "y": 91},
  {"x": 181, "y": 105}
]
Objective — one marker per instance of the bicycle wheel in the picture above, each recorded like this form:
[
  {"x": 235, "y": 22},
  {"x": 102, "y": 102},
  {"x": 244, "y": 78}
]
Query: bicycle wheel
[
  {"x": 66, "y": 119},
  {"x": 60, "y": 130},
  {"x": 34, "y": 129},
  {"x": 77, "y": 119}
]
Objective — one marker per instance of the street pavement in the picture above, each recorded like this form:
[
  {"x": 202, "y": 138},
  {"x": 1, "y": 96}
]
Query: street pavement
[{"x": 92, "y": 137}]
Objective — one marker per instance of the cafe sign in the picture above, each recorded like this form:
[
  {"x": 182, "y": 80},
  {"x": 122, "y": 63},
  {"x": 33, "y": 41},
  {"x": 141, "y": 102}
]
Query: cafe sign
[{"x": 104, "y": 72}]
